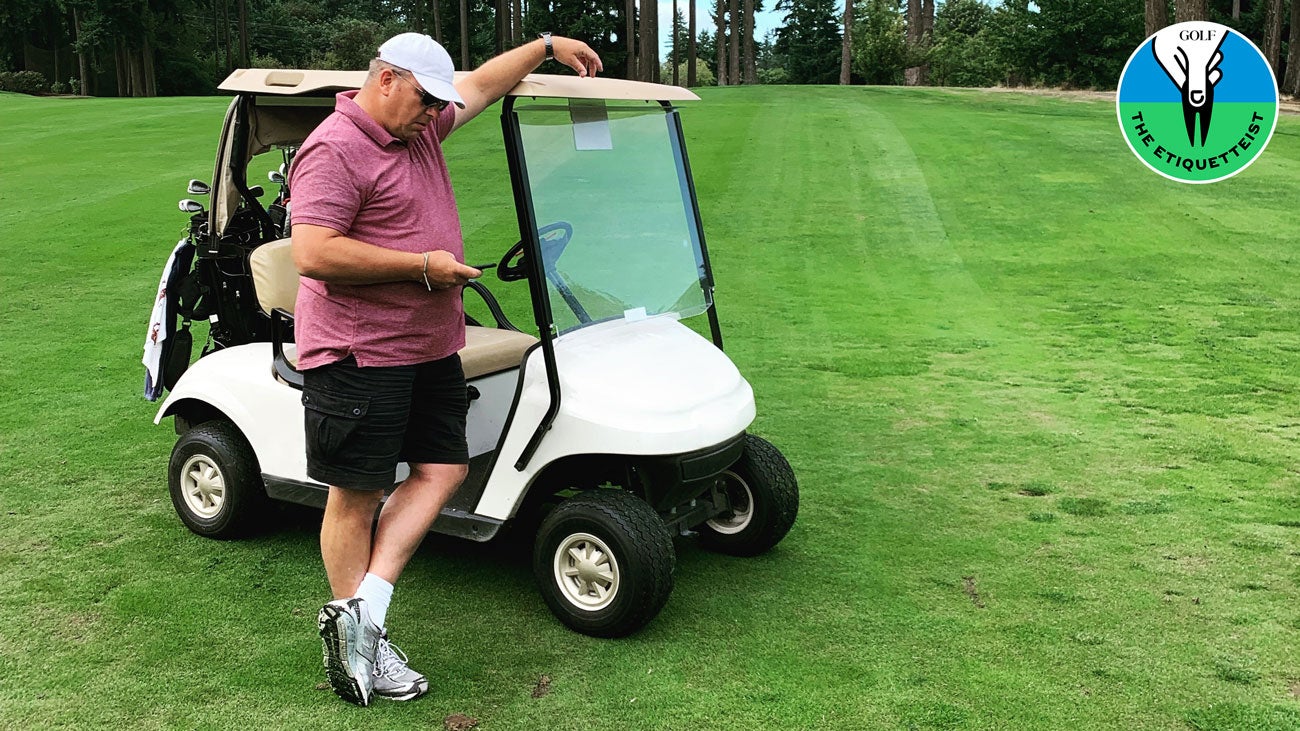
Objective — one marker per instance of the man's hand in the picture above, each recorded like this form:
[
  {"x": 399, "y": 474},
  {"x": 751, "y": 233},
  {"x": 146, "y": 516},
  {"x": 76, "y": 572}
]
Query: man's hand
[
  {"x": 576, "y": 55},
  {"x": 445, "y": 272}
]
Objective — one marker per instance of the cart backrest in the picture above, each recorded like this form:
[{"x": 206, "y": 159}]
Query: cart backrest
[{"x": 275, "y": 277}]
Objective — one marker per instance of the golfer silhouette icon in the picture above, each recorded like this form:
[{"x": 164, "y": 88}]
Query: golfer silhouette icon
[{"x": 1191, "y": 59}]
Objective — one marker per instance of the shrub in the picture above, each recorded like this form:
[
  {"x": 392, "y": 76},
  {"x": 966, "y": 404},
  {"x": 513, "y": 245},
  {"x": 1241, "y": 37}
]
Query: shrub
[
  {"x": 23, "y": 82},
  {"x": 703, "y": 74},
  {"x": 58, "y": 87}
]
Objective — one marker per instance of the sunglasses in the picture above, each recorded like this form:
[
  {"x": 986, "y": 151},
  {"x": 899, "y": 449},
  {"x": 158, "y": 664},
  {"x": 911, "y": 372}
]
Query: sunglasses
[{"x": 428, "y": 100}]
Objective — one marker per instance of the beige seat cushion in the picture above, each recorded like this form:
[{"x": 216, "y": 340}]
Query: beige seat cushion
[
  {"x": 275, "y": 277},
  {"x": 490, "y": 350},
  {"x": 487, "y": 350}
]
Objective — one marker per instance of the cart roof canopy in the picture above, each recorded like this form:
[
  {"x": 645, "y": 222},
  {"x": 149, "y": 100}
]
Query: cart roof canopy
[{"x": 297, "y": 82}]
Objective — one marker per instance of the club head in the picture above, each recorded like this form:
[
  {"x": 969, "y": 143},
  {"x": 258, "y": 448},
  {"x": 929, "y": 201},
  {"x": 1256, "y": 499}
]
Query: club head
[
  {"x": 189, "y": 205},
  {"x": 284, "y": 170},
  {"x": 275, "y": 176},
  {"x": 198, "y": 187},
  {"x": 256, "y": 191}
]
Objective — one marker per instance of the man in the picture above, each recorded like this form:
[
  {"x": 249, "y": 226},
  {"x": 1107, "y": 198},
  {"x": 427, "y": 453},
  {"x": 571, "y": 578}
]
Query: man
[{"x": 377, "y": 240}]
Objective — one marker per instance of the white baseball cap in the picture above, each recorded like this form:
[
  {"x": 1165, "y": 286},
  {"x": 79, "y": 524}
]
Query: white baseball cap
[{"x": 427, "y": 61}]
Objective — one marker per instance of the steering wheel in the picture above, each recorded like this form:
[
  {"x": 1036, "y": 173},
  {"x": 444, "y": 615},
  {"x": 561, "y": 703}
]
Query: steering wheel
[{"x": 554, "y": 238}]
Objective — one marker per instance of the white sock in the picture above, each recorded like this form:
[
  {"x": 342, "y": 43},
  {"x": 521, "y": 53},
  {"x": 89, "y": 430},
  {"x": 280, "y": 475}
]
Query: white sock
[{"x": 377, "y": 593}]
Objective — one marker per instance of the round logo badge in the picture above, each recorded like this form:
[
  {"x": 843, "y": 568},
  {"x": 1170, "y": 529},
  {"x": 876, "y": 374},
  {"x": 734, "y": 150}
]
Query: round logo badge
[{"x": 1197, "y": 102}]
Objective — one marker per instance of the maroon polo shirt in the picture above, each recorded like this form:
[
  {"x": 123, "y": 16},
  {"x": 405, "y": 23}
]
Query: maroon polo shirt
[{"x": 351, "y": 175}]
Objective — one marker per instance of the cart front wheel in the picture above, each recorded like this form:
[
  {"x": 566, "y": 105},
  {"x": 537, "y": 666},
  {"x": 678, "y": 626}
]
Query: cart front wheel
[
  {"x": 604, "y": 562},
  {"x": 215, "y": 483},
  {"x": 763, "y": 499}
]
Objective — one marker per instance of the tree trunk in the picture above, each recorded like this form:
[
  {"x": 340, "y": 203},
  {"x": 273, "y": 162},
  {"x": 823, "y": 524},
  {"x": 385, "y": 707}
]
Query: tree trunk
[
  {"x": 649, "y": 61},
  {"x": 437, "y": 22},
  {"x": 733, "y": 43},
  {"x": 1291, "y": 84},
  {"x": 720, "y": 47},
  {"x": 146, "y": 61},
  {"x": 1236, "y": 9},
  {"x": 464, "y": 35},
  {"x": 119, "y": 66},
  {"x": 139, "y": 82},
  {"x": 1273, "y": 34},
  {"x": 720, "y": 44},
  {"x": 690, "y": 46},
  {"x": 83, "y": 66},
  {"x": 1185, "y": 10},
  {"x": 417, "y": 16},
  {"x": 519, "y": 21},
  {"x": 216, "y": 44},
  {"x": 751, "y": 63},
  {"x": 1157, "y": 15},
  {"x": 501, "y": 26},
  {"x": 243, "y": 33},
  {"x": 225, "y": 31},
  {"x": 629, "y": 34},
  {"x": 846, "y": 48},
  {"x": 912, "y": 74}
]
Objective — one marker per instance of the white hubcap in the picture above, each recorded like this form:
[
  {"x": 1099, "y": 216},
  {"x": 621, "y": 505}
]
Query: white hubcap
[
  {"x": 742, "y": 506},
  {"x": 203, "y": 486},
  {"x": 586, "y": 571}
]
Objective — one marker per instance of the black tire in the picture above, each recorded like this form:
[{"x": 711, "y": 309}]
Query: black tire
[
  {"x": 765, "y": 498},
  {"x": 638, "y": 572},
  {"x": 215, "y": 482}
]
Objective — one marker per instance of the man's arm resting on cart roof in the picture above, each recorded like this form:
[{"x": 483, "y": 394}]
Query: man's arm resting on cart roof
[{"x": 491, "y": 81}]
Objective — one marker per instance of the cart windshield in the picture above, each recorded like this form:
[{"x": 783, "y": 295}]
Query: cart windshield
[{"x": 615, "y": 212}]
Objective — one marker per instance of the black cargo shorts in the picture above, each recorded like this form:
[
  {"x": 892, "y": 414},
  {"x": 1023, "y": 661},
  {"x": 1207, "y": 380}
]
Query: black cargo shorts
[{"x": 361, "y": 422}]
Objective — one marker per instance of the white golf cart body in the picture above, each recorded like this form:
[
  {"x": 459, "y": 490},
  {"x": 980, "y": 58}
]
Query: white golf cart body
[{"x": 613, "y": 387}]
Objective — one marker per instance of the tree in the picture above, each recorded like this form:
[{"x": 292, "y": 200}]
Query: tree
[
  {"x": 464, "y": 35},
  {"x": 692, "y": 69},
  {"x": 1272, "y": 46},
  {"x": 1157, "y": 15},
  {"x": 629, "y": 35},
  {"x": 674, "y": 55},
  {"x": 879, "y": 42},
  {"x": 648, "y": 64},
  {"x": 846, "y": 49},
  {"x": 1291, "y": 82},
  {"x": 920, "y": 27},
  {"x": 720, "y": 43},
  {"x": 962, "y": 53},
  {"x": 733, "y": 43},
  {"x": 810, "y": 42},
  {"x": 1185, "y": 10}
]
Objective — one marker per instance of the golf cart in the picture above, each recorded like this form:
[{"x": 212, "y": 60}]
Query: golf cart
[{"x": 609, "y": 427}]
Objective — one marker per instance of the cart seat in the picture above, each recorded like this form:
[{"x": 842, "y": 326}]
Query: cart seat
[{"x": 275, "y": 279}]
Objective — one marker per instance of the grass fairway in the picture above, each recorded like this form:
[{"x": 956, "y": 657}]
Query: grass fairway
[{"x": 1044, "y": 406}]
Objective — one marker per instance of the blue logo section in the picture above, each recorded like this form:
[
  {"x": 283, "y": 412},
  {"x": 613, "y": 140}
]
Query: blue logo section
[{"x": 1246, "y": 76}]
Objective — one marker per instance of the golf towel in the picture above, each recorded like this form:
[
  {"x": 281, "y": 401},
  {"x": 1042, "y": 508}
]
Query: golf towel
[{"x": 162, "y": 322}]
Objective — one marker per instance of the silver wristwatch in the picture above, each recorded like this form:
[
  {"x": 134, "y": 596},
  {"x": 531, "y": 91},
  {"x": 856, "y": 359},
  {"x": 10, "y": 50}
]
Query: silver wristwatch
[{"x": 546, "y": 38}]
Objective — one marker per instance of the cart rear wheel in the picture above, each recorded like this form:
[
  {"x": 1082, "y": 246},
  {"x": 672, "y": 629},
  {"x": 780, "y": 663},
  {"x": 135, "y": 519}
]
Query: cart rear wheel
[
  {"x": 764, "y": 499},
  {"x": 604, "y": 562},
  {"x": 214, "y": 480}
]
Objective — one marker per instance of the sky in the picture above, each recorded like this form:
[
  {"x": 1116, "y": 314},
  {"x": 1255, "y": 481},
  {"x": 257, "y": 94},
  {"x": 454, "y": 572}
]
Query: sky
[{"x": 763, "y": 22}]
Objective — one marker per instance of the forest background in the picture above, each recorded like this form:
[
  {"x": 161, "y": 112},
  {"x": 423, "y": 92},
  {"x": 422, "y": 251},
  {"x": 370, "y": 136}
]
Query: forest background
[{"x": 186, "y": 47}]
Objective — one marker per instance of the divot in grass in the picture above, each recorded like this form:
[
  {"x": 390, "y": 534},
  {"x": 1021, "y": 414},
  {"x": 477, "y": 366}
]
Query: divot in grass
[
  {"x": 968, "y": 586},
  {"x": 1083, "y": 507},
  {"x": 1036, "y": 489},
  {"x": 1231, "y": 671}
]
